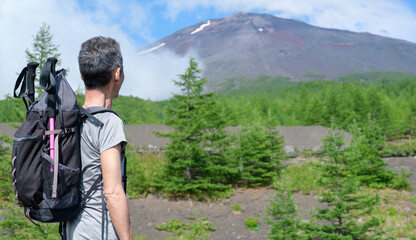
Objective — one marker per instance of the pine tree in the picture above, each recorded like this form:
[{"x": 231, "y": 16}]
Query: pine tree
[
  {"x": 346, "y": 202},
  {"x": 282, "y": 215},
  {"x": 12, "y": 110},
  {"x": 378, "y": 109},
  {"x": 258, "y": 151},
  {"x": 195, "y": 164},
  {"x": 275, "y": 140},
  {"x": 218, "y": 144},
  {"x": 314, "y": 111},
  {"x": 332, "y": 103},
  {"x": 42, "y": 49},
  {"x": 363, "y": 156}
]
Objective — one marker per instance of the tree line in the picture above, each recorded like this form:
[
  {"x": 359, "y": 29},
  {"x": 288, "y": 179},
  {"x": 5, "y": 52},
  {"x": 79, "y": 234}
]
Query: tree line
[{"x": 391, "y": 103}]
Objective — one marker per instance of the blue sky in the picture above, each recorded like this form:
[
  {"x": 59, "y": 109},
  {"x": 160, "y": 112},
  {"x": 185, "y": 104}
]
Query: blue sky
[
  {"x": 137, "y": 23},
  {"x": 163, "y": 17}
]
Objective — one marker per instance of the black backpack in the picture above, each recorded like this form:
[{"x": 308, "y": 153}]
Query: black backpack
[{"x": 47, "y": 178}]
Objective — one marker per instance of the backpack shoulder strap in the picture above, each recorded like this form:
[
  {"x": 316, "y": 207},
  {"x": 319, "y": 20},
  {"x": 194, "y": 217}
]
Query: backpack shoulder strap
[
  {"x": 90, "y": 112},
  {"x": 86, "y": 114},
  {"x": 96, "y": 183},
  {"x": 97, "y": 109}
]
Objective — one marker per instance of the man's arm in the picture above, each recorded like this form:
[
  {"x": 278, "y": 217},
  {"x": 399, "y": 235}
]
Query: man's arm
[{"x": 114, "y": 193}]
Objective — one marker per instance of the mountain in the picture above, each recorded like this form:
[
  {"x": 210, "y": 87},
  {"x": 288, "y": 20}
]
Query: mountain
[{"x": 247, "y": 44}]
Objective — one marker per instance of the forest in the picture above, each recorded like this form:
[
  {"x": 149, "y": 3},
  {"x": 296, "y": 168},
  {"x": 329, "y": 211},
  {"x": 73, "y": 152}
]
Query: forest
[{"x": 388, "y": 97}]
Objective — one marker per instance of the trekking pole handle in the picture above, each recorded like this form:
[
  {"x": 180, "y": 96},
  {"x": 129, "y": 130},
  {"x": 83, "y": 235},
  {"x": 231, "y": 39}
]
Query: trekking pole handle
[
  {"x": 30, "y": 79},
  {"x": 48, "y": 83},
  {"x": 47, "y": 76}
]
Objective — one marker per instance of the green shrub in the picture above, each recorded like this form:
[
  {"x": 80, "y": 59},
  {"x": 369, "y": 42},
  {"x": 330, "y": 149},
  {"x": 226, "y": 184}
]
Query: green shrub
[
  {"x": 400, "y": 149},
  {"x": 302, "y": 177},
  {"x": 237, "y": 208},
  {"x": 252, "y": 223},
  {"x": 142, "y": 171},
  {"x": 401, "y": 181},
  {"x": 188, "y": 231}
]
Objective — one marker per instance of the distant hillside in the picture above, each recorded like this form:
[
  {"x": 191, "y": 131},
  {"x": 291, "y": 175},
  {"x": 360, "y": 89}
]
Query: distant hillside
[
  {"x": 377, "y": 76},
  {"x": 247, "y": 86},
  {"x": 248, "y": 45}
]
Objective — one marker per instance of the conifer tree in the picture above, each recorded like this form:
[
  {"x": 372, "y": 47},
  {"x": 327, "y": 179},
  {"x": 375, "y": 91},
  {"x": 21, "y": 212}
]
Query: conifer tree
[
  {"x": 363, "y": 157},
  {"x": 314, "y": 111},
  {"x": 282, "y": 215},
  {"x": 42, "y": 48},
  {"x": 258, "y": 151},
  {"x": 275, "y": 140},
  {"x": 195, "y": 164},
  {"x": 332, "y": 103},
  {"x": 346, "y": 202}
]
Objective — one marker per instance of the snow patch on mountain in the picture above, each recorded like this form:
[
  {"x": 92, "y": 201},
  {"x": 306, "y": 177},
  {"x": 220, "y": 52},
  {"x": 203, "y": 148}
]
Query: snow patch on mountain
[
  {"x": 201, "y": 27},
  {"x": 152, "y": 49}
]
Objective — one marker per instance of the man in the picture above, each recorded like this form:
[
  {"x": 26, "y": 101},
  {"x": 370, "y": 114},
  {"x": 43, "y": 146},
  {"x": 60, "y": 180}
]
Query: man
[{"x": 101, "y": 67}]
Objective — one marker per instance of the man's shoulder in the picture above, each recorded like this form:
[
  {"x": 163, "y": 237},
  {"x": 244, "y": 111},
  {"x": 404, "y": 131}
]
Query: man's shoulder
[{"x": 109, "y": 117}]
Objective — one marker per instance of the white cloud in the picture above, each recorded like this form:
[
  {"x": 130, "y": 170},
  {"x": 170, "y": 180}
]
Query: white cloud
[
  {"x": 71, "y": 25},
  {"x": 155, "y": 79},
  {"x": 391, "y": 18}
]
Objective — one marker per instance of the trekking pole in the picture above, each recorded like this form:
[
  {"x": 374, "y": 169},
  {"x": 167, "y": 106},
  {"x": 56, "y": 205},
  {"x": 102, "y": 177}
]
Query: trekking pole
[{"x": 49, "y": 85}]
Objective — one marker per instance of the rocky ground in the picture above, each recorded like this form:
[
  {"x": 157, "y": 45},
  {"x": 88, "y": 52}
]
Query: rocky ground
[{"x": 148, "y": 212}]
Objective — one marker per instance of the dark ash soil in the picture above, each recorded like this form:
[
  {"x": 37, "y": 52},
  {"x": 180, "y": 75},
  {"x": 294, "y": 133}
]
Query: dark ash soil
[{"x": 148, "y": 212}]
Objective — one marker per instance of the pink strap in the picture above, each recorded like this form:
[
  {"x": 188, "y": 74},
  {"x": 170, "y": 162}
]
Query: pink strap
[{"x": 56, "y": 168}]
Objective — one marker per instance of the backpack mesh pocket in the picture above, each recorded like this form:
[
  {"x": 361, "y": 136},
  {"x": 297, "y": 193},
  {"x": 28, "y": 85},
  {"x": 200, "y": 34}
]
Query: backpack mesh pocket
[
  {"x": 67, "y": 194},
  {"x": 27, "y": 163}
]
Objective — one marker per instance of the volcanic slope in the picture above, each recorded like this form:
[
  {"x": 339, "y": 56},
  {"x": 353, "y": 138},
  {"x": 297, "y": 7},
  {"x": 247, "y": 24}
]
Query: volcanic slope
[{"x": 248, "y": 44}]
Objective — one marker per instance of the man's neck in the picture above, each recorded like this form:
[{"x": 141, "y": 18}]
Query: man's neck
[{"x": 97, "y": 97}]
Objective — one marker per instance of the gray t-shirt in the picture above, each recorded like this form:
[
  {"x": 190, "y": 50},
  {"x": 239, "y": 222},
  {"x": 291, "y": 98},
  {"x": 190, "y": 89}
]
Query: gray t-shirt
[{"x": 94, "y": 141}]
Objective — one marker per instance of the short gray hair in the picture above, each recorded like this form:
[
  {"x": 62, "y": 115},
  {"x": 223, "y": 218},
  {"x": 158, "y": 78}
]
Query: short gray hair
[{"x": 97, "y": 59}]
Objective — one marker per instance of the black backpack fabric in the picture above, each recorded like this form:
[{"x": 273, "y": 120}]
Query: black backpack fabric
[{"x": 49, "y": 188}]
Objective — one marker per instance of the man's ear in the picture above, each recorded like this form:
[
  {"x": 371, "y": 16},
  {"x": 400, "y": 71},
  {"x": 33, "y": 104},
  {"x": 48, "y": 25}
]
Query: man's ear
[
  {"x": 82, "y": 77},
  {"x": 117, "y": 73}
]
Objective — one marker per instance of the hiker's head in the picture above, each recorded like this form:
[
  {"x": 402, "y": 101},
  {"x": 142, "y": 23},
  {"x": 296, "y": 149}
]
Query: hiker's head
[{"x": 99, "y": 60}]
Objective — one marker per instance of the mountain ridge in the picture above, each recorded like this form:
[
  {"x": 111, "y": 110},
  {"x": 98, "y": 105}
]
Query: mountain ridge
[{"x": 250, "y": 44}]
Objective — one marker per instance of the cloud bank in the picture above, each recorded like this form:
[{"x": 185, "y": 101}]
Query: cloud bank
[{"x": 147, "y": 77}]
